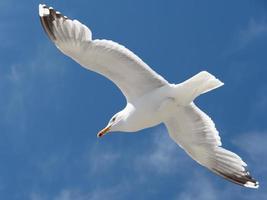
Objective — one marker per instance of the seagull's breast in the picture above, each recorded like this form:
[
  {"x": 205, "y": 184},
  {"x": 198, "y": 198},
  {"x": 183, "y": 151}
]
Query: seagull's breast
[{"x": 146, "y": 111}]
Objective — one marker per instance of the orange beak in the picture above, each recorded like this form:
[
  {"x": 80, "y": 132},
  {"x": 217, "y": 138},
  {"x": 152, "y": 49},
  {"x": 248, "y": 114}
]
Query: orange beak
[{"x": 103, "y": 131}]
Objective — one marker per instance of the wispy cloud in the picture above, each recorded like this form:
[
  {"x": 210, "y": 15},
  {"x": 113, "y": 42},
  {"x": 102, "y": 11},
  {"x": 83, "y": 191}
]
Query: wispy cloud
[
  {"x": 100, "y": 159},
  {"x": 114, "y": 192},
  {"x": 17, "y": 83},
  {"x": 202, "y": 188},
  {"x": 36, "y": 196},
  {"x": 260, "y": 105},
  {"x": 254, "y": 30},
  {"x": 119, "y": 192},
  {"x": 65, "y": 194},
  {"x": 163, "y": 157},
  {"x": 70, "y": 195},
  {"x": 255, "y": 146},
  {"x": 199, "y": 187}
]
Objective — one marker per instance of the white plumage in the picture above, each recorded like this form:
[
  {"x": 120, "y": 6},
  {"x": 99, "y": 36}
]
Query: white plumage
[{"x": 151, "y": 100}]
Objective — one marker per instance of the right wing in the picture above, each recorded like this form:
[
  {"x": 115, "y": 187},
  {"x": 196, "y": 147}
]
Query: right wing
[
  {"x": 195, "y": 132},
  {"x": 134, "y": 77}
]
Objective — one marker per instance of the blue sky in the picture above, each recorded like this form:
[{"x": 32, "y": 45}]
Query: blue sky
[{"x": 51, "y": 109}]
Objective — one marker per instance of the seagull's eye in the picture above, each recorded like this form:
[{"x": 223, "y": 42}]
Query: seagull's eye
[{"x": 113, "y": 119}]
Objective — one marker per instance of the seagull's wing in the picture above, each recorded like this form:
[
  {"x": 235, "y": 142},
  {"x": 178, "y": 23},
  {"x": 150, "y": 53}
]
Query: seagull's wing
[
  {"x": 195, "y": 132},
  {"x": 134, "y": 77}
]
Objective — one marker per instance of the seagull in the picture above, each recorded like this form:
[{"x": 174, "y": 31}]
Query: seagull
[{"x": 151, "y": 99}]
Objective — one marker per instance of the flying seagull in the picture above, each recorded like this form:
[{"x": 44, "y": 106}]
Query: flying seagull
[{"x": 151, "y": 99}]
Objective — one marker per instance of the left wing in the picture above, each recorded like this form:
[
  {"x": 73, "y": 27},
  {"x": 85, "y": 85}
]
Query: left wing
[
  {"x": 195, "y": 132},
  {"x": 110, "y": 59}
]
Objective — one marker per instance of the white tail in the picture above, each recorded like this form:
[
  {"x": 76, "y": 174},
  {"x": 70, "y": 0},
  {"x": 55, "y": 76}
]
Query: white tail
[{"x": 199, "y": 84}]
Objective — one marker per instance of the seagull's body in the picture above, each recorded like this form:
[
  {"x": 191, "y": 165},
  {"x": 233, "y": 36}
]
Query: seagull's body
[
  {"x": 149, "y": 110},
  {"x": 151, "y": 99}
]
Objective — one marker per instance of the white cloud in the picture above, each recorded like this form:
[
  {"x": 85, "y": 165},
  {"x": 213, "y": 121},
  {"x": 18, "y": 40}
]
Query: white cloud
[
  {"x": 101, "y": 159},
  {"x": 35, "y": 196},
  {"x": 255, "y": 29},
  {"x": 17, "y": 83},
  {"x": 65, "y": 194},
  {"x": 114, "y": 192},
  {"x": 260, "y": 101},
  {"x": 163, "y": 157},
  {"x": 199, "y": 187},
  {"x": 71, "y": 195},
  {"x": 255, "y": 145}
]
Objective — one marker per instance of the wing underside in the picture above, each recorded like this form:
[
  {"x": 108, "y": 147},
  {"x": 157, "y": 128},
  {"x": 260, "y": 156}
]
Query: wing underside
[
  {"x": 195, "y": 132},
  {"x": 112, "y": 60}
]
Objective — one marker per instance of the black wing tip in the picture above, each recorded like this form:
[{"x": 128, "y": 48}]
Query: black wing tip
[
  {"x": 47, "y": 16},
  {"x": 44, "y": 11},
  {"x": 246, "y": 180}
]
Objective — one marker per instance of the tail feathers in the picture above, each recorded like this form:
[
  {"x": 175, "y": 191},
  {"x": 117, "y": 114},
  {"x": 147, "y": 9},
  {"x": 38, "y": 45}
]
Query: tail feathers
[
  {"x": 199, "y": 84},
  {"x": 203, "y": 82}
]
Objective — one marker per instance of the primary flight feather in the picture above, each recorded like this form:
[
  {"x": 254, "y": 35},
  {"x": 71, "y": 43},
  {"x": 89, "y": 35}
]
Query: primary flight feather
[{"x": 151, "y": 100}]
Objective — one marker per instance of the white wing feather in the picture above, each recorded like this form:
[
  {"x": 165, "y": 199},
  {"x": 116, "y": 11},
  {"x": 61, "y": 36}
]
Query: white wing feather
[
  {"x": 134, "y": 77},
  {"x": 195, "y": 132}
]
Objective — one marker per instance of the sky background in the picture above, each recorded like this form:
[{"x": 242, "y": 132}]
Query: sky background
[{"x": 51, "y": 109}]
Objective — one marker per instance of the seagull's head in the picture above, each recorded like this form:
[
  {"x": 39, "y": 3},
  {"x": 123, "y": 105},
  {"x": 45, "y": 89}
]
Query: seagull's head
[
  {"x": 114, "y": 124},
  {"x": 119, "y": 121}
]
